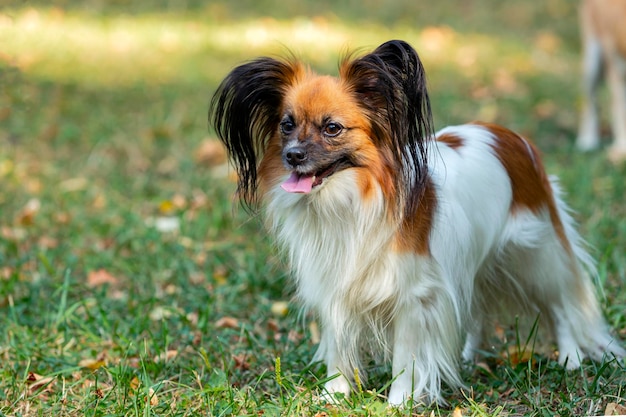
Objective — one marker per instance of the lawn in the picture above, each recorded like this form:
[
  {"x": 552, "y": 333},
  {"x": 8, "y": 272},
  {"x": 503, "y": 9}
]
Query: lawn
[{"x": 130, "y": 282}]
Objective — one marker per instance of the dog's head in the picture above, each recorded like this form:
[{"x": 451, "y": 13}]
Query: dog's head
[{"x": 281, "y": 122}]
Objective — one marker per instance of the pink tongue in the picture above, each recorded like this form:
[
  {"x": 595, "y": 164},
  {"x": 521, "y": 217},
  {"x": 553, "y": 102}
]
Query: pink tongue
[{"x": 297, "y": 183}]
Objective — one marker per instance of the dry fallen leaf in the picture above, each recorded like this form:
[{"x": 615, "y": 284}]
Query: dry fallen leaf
[
  {"x": 154, "y": 400},
  {"x": 100, "y": 277},
  {"x": 48, "y": 242},
  {"x": 134, "y": 383},
  {"x": 210, "y": 153},
  {"x": 241, "y": 362},
  {"x": 483, "y": 365},
  {"x": 294, "y": 336},
  {"x": 516, "y": 357},
  {"x": 273, "y": 326},
  {"x": 179, "y": 201},
  {"x": 193, "y": 318},
  {"x": 13, "y": 233},
  {"x": 99, "y": 201},
  {"x": 6, "y": 272},
  {"x": 26, "y": 216},
  {"x": 614, "y": 409},
  {"x": 166, "y": 356},
  {"x": 227, "y": 323},
  {"x": 36, "y": 382}
]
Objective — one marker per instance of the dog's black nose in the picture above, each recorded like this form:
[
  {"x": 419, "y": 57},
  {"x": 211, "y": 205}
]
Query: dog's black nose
[{"x": 295, "y": 155}]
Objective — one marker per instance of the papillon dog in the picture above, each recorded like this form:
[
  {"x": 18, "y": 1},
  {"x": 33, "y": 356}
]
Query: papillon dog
[
  {"x": 604, "y": 51},
  {"x": 405, "y": 244}
]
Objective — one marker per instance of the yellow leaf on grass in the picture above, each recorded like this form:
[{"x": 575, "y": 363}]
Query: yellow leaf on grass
[
  {"x": 92, "y": 363},
  {"x": 166, "y": 207},
  {"x": 280, "y": 308},
  {"x": 457, "y": 412}
]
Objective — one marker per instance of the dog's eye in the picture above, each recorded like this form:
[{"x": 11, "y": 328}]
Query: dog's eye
[
  {"x": 332, "y": 129},
  {"x": 287, "y": 127}
]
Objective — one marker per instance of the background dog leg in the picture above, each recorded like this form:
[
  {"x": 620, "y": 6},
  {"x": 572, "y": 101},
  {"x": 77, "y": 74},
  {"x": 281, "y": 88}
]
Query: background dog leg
[
  {"x": 589, "y": 129},
  {"x": 617, "y": 84}
]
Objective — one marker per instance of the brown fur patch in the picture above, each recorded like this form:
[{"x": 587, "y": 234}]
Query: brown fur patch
[
  {"x": 414, "y": 233},
  {"x": 529, "y": 181},
  {"x": 271, "y": 169},
  {"x": 453, "y": 141}
]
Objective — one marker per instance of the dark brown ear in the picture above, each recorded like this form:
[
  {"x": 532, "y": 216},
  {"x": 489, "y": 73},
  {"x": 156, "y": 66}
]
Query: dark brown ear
[
  {"x": 390, "y": 84},
  {"x": 245, "y": 111}
]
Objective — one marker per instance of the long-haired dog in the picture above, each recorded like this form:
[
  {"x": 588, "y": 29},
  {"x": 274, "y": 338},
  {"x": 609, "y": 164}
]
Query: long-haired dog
[
  {"x": 603, "y": 31},
  {"x": 404, "y": 242}
]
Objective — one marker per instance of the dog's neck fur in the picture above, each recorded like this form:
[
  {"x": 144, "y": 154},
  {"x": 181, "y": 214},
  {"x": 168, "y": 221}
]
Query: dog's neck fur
[{"x": 332, "y": 238}]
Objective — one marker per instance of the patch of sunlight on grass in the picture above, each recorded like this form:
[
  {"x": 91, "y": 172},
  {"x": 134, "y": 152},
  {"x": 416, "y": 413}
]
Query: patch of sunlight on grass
[{"x": 123, "y": 50}]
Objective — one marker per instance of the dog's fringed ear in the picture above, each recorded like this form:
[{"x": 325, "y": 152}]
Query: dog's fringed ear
[
  {"x": 390, "y": 84},
  {"x": 245, "y": 111}
]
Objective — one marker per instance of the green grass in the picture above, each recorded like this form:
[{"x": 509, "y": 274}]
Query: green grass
[{"x": 102, "y": 112}]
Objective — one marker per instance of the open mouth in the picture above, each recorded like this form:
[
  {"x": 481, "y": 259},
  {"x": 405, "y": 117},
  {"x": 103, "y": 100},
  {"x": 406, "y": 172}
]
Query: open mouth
[{"x": 304, "y": 183}]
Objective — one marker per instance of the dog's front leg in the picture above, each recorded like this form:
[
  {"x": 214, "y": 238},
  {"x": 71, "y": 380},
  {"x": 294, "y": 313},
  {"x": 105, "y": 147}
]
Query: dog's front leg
[
  {"x": 329, "y": 353},
  {"x": 426, "y": 348},
  {"x": 617, "y": 84}
]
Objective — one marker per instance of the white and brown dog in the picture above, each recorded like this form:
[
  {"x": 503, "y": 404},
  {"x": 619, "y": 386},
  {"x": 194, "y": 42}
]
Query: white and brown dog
[
  {"x": 405, "y": 243},
  {"x": 603, "y": 26}
]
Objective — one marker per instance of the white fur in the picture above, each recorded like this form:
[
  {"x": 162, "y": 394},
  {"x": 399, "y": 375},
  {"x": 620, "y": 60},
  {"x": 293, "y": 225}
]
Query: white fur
[{"x": 419, "y": 309}]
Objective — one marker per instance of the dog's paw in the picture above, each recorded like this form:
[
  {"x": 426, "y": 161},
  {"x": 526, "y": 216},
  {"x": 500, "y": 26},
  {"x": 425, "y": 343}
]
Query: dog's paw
[
  {"x": 335, "y": 390},
  {"x": 570, "y": 360},
  {"x": 397, "y": 398}
]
